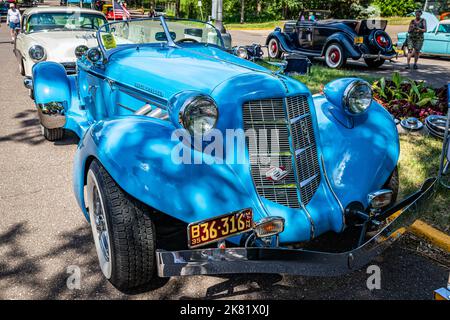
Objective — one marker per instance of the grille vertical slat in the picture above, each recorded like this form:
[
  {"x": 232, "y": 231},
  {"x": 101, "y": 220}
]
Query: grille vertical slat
[
  {"x": 285, "y": 117},
  {"x": 304, "y": 144}
]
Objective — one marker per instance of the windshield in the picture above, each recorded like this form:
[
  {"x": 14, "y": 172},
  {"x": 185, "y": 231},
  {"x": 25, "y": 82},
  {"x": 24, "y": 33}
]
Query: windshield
[
  {"x": 63, "y": 21},
  {"x": 148, "y": 31}
]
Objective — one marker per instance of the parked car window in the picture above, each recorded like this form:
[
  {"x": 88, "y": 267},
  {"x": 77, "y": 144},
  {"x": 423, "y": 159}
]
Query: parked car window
[
  {"x": 193, "y": 31},
  {"x": 61, "y": 21},
  {"x": 132, "y": 32},
  {"x": 444, "y": 28}
]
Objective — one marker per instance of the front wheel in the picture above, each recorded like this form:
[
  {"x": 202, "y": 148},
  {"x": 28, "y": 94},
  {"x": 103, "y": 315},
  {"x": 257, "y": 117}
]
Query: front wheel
[
  {"x": 335, "y": 56},
  {"x": 123, "y": 231},
  {"x": 274, "y": 49},
  {"x": 374, "y": 63}
]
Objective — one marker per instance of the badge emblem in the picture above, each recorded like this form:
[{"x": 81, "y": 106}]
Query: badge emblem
[{"x": 276, "y": 173}]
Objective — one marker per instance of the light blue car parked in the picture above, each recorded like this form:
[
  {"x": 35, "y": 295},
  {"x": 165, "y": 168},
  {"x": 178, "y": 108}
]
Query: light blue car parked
[
  {"x": 194, "y": 161},
  {"x": 436, "y": 39}
]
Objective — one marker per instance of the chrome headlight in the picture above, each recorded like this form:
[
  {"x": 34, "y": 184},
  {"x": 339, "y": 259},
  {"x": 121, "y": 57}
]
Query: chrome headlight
[
  {"x": 357, "y": 97},
  {"x": 199, "y": 114},
  {"x": 80, "y": 51},
  {"x": 37, "y": 53},
  {"x": 241, "y": 52}
]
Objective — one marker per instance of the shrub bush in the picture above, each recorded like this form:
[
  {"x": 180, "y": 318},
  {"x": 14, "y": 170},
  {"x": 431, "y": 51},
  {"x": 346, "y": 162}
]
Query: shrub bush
[{"x": 398, "y": 8}]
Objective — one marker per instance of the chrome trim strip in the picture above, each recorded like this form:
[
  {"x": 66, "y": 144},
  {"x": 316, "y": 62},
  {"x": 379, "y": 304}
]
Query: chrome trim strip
[{"x": 332, "y": 191}]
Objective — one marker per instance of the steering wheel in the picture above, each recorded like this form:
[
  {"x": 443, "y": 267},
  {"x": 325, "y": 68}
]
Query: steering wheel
[{"x": 187, "y": 40}]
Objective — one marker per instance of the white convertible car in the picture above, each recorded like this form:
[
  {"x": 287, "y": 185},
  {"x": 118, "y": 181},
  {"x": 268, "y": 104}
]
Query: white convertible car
[{"x": 59, "y": 34}]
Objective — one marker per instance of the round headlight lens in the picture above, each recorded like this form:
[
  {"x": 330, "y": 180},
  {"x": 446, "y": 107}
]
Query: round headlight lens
[
  {"x": 357, "y": 97},
  {"x": 94, "y": 55},
  {"x": 36, "y": 52},
  {"x": 199, "y": 115},
  {"x": 241, "y": 52},
  {"x": 80, "y": 51}
]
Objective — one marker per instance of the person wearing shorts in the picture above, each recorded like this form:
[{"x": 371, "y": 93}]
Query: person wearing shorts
[
  {"x": 415, "y": 38},
  {"x": 13, "y": 20}
]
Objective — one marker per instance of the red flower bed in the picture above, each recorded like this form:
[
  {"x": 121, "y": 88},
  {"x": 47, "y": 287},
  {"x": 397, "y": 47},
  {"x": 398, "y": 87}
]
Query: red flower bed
[{"x": 406, "y": 98}]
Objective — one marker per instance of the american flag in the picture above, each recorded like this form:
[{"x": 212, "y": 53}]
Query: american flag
[{"x": 120, "y": 10}]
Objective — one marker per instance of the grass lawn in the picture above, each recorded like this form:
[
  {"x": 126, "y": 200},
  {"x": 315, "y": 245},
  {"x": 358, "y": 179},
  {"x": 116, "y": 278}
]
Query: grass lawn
[
  {"x": 254, "y": 25},
  {"x": 321, "y": 75},
  {"x": 419, "y": 159},
  {"x": 398, "y": 21}
]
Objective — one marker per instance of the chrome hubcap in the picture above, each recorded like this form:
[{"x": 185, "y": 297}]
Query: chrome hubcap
[
  {"x": 99, "y": 224},
  {"x": 99, "y": 220}
]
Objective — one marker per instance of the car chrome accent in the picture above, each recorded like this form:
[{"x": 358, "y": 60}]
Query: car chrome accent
[
  {"x": 28, "y": 82},
  {"x": 380, "y": 198},
  {"x": 303, "y": 139},
  {"x": 346, "y": 96},
  {"x": 287, "y": 261},
  {"x": 295, "y": 122},
  {"x": 268, "y": 227}
]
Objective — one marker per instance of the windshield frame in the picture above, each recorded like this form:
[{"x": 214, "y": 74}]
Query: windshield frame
[{"x": 162, "y": 19}]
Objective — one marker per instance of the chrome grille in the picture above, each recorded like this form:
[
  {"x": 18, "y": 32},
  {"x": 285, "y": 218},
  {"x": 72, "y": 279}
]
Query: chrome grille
[
  {"x": 270, "y": 115},
  {"x": 304, "y": 144},
  {"x": 283, "y": 115}
]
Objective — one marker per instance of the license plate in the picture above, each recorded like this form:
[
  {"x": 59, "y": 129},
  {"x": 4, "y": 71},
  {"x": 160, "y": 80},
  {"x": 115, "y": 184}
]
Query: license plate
[
  {"x": 359, "y": 40},
  {"x": 218, "y": 228}
]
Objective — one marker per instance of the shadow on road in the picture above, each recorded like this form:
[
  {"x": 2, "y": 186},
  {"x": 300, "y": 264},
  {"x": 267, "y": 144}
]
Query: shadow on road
[{"x": 30, "y": 132}]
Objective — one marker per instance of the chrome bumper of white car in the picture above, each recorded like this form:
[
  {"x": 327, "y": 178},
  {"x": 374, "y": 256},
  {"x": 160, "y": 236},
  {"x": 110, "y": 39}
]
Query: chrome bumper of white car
[{"x": 277, "y": 260}]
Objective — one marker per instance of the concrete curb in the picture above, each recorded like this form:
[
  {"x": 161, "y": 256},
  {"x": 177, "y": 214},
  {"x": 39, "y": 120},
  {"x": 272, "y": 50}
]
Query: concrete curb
[{"x": 436, "y": 237}]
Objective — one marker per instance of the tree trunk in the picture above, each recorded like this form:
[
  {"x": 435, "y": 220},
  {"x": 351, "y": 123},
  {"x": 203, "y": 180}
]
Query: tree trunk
[
  {"x": 242, "y": 11},
  {"x": 177, "y": 8},
  {"x": 258, "y": 8}
]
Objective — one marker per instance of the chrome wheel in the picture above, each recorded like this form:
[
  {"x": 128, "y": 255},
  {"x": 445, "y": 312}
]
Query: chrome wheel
[
  {"x": 334, "y": 56},
  {"x": 99, "y": 224},
  {"x": 274, "y": 49}
]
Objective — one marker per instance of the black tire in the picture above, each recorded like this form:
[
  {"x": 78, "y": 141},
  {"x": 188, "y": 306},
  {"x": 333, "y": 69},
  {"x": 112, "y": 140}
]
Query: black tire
[
  {"x": 131, "y": 233},
  {"x": 274, "y": 49},
  {"x": 53, "y": 134},
  {"x": 393, "y": 183},
  {"x": 335, "y": 57},
  {"x": 372, "y": 63}
]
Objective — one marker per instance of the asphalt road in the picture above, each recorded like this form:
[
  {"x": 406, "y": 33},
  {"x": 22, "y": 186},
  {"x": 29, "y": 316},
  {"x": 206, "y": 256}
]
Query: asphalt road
[
  {"x": 42, "y": 230},
  {"x": 435, "y": 71}
]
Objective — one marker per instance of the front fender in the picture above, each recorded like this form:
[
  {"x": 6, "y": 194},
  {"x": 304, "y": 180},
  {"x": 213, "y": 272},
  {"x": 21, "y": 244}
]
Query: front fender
[
  {"x": 50, "y": 83},
  {"x": 358, "y": 160},
  {"x": 343, "y": 40},
  {"x": 282, "y": 40}
]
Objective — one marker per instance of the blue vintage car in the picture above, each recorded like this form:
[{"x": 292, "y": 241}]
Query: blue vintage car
[
  {"x": 436, "y": 39},
  {"x": 194, "y": 161}
]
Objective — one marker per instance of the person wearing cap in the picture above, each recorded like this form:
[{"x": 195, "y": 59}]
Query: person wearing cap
[
  {"x": 13, "y": 20},
  {"x": 417, "y": 28}
]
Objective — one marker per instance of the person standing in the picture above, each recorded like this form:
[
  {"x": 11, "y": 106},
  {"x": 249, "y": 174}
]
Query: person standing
[
  {"x": 416, "y": 31},
  {"x": 13, "y": 20}
]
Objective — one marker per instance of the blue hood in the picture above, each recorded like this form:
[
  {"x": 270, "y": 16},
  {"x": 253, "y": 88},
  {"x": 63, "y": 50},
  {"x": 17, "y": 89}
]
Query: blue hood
[{"x": 169, "y": 70}]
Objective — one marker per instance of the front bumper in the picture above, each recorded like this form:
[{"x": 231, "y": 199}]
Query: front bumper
[
  {"x": 379, "y": 56},
  {"x": 289, "y": 261}
]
